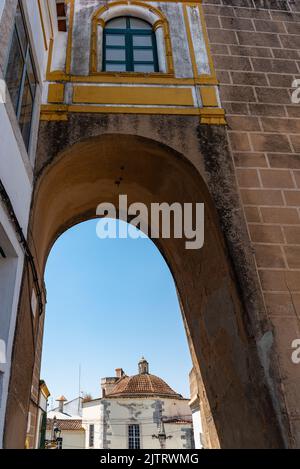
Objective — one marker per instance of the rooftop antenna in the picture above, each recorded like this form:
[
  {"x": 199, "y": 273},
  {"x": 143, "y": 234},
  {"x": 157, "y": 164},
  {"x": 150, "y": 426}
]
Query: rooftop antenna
[{"x": 79, "y": 390}]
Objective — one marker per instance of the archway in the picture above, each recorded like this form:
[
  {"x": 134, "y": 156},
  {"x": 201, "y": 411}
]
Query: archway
[
  {"x": 109, "y": 302},
  {"x": 223, "y": 350}
]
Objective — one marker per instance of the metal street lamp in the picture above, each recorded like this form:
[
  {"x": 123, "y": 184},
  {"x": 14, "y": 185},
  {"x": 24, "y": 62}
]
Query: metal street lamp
[
  {"x": 161, "y": 436},
  {"x": 57, "y": 432}
]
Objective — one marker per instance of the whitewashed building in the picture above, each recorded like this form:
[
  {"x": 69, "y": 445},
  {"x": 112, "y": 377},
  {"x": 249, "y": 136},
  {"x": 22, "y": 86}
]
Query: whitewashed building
[
  {"x": 67, "y": 417},
  {"x": 25, "y": 31},
  {"x": 139, "y": 411}
]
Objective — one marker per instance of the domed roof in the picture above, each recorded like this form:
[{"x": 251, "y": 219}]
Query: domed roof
[{"x": 144, "y": 385}]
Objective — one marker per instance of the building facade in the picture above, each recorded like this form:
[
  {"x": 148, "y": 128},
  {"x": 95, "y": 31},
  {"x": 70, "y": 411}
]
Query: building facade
[
  {"x": 137, "y": 412},
  {"x": 23, "y": 60},
  {"x": 36, "y": 435},
  {"x": 134, "y": 412},
  {"x": 141, "y": 90},
  {"x": 67, "y": 418}
]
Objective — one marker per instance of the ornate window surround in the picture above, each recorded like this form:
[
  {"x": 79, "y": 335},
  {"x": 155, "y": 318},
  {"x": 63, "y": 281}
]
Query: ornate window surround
[{"x": 139, "y": 10}]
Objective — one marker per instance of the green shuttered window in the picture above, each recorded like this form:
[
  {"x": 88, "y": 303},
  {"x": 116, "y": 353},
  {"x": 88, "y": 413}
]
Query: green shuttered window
[{"x": 129, "y": 45}]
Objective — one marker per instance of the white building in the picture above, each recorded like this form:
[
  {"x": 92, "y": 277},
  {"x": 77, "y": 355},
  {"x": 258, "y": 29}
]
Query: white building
[
  {"x": 67, "y": 417},
  {"x": 139, "y": 411},
  {"x": 24, "y": 46}
]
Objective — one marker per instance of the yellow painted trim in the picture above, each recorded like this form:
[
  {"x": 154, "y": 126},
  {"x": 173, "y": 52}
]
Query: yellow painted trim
[
  {"x": 50, "y": 54},
  {"x": 134, "y": 110},
  {"x": 158, "y": 24},
  {"x": 208, "y": 96},
  {"x": 53, "y": 112},
  {"x": 50, "y": 19},
  {"x": 190, "y": 40},
  {"x": 212, "y": 116},
  {"x": 56, "y": 93},
  {"x": 133, "y": 95},
  {"x": 43, "y": 25},
  {"x": 44, "y": 390},
  {"x": 51, "y": 43},
  {"x": 53, "y": 116},
  {"x": 131, "y": 77},
  {"x": 206, "y": 40}
]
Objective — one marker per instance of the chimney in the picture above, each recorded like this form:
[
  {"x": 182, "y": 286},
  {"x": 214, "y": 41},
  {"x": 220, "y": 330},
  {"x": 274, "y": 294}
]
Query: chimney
[
  {"x": 61, "y": 400},
  {"x": 119, "y": 372},
  {"x": 107, "y": 385}
]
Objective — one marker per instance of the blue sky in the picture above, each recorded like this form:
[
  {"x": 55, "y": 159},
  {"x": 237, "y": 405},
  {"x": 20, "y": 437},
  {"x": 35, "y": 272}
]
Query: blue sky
[{"x": 109, "y": 302}]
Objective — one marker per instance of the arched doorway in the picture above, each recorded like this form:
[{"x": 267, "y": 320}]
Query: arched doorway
[
  {"x": 224, "y": 354},
  {"x": 109, "y": 302}
]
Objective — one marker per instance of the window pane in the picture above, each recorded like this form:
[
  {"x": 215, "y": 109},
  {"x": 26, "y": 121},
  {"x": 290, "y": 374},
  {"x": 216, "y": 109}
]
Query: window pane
[
  {"x": 115, "y": 40},
  {"x": 21, "y": 29},
  {"x": 135, "y": 23},
  {"x": 117, "y": 23},
  {"x": 142, "y": 41},
  {"x": 26, "y": 112},
  {"x": 134, "y": 437},
  {"x": 115, "y": 54},
  {"x": 31, "y": 74},
  {"x": 91, "y": 436},
  {"x": 115, "y": 67},
  {"x": 144, "y": 68},
  {"x": 14, "y": 71},
  {"x": 143, "y": 55}
]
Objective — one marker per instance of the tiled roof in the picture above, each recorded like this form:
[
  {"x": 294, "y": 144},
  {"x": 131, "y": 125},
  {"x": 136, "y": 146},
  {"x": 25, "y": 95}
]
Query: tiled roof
[
  {"x": 142, "y": 385},
  {"x": 65, "y": 424},
  {"x": 178, "y": 421}
]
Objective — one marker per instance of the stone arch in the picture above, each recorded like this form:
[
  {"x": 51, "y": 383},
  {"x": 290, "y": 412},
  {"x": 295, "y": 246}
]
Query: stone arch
[
  {"x": 139, "y": 10},
  {"x": 68, "y": 189}
]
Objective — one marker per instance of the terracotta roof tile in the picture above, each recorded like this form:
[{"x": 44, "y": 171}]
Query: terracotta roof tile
[
  {"x": 142, "y": 385},
  {"x": 65, "y": 424},
  {"x": 178, "y": 421}
]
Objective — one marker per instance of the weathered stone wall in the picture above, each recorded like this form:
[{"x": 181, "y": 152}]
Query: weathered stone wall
[
  {"x": 256, "y": 59},
  {"x": 32, "y": 429},
  {"x": 255, "y": 46}
]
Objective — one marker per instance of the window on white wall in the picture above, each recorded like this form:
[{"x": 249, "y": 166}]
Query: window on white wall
[
  {"x": 134, "y": 437},
  {"x": 129, "y": 45},
  {"x": 91, "y": 435}
]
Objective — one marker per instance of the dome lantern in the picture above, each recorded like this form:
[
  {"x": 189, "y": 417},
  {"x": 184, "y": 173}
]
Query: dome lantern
[{"x": 143, "y": 366}]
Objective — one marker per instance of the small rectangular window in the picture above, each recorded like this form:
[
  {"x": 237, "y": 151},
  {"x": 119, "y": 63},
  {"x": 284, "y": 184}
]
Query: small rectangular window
[
  {"x": 134, "y": 437},
  {"x": 91, "y": 436}
]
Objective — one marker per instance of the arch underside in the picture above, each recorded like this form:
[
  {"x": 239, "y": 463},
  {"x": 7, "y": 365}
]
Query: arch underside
[{"x": 99, "y": 168}]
